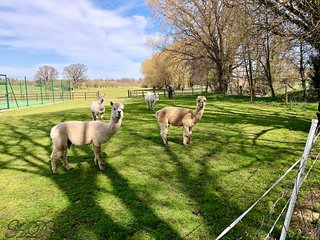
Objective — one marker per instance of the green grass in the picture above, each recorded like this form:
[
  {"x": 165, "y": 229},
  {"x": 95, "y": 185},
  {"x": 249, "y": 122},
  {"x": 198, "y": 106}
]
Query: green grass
[
  {"x": 149, "y": 191},
  {"x": 21, "y": 99}
]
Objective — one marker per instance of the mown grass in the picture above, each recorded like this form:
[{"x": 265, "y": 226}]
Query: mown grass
[{"x": 149, "y": 191}]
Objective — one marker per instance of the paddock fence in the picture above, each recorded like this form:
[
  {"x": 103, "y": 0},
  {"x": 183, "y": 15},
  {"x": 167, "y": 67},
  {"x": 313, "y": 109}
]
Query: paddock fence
[
  {"x": 295, "y": 211},
  {"x": 17, "y": 93},
  {"x": 140, "y": 93}
]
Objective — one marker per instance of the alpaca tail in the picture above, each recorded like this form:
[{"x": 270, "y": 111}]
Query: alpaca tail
[{"x": 157, "y": 113}]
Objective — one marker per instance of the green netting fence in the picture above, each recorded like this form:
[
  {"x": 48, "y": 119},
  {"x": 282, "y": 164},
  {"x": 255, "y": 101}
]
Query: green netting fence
[{"x": 16, "y": 93}]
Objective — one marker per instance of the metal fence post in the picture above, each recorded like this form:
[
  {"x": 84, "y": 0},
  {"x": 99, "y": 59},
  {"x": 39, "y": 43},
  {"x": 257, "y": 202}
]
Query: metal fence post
[
  {"x": 61, "y": 99},
  {"x": 298, "y": 183},
  {"x": 26, "y": 87},
  {"x": 52, "y": 90},
  {"x": 7, "y": 92},
  {"x": 20, "y": 90},
  {"x": 41, "y": 91}
]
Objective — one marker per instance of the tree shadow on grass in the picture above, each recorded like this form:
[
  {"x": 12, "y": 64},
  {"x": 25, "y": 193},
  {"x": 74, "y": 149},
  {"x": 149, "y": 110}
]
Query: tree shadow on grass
[
  {"x": 83, "y": 218},
  {"x": 218, "y": 210}
]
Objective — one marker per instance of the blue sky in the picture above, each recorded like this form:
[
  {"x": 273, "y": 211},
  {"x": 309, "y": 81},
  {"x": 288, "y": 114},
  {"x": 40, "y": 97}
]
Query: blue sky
[{"x": 109, "y": 36}]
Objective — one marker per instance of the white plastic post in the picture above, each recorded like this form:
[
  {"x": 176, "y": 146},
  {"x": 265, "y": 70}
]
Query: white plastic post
[{"x": 298, "y": 183}]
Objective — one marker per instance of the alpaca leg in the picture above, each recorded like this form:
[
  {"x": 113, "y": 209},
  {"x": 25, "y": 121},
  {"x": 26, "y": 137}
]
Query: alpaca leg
[
  {"x": 64, "y": 159},
  {"x": 94, "y": 116},
  {"x": 186, "y": 136},
  {"x": 54, "y": 156},
  {"x": 164, "y": 132},
  {"x": 190, "y": 132},
  {"x": 98, "y": 157},
  {"x": 152, "y": 105}
]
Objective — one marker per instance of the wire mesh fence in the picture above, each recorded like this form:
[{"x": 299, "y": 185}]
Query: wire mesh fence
[
  {"x": 15, "y": 93},
  {"x": 289, "y": 211}
]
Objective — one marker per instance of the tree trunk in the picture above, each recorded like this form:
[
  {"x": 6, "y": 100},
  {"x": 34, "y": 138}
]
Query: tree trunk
[
  {"x": 302, "y": 75},
  {"x": 222, "y": 78}
]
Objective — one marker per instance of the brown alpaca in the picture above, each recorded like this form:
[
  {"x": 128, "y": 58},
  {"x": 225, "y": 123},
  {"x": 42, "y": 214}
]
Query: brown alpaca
[{"x": 180, "y": 117}]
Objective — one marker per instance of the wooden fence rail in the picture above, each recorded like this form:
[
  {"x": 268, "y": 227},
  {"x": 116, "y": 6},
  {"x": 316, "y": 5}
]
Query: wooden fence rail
[{"x": 164, "y": 93}]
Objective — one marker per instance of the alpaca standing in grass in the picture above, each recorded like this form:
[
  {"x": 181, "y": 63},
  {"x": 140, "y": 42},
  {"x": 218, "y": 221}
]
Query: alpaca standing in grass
[
  {"x": 81, "y": 133},
  {"x": 180, "y": 117},
  {"x": 151, "y": 99},
  {"x": 98, "y": 108}
]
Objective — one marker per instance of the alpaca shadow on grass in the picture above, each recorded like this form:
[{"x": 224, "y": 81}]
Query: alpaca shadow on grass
[{"x": 84, "y": 217}]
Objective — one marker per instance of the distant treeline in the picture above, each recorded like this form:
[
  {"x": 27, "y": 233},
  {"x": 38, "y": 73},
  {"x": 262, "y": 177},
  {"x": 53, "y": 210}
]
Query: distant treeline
[{"x": 123, "y": 82}]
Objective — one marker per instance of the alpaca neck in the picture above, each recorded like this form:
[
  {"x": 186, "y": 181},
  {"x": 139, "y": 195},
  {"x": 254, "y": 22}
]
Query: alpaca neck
[
  {"x": 115, "y": 123},
  {"x": 198, "y": 113}
]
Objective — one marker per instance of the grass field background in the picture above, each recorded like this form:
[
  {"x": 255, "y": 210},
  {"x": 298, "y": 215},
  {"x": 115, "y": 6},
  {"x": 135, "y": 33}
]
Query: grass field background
[
  {"x": 149, "y": 191},
  {"x": 59, "y": 96}
]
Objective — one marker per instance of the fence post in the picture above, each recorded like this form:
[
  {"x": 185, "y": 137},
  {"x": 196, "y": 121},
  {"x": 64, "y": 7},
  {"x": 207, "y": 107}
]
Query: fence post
[
  {"x": 45, "y": 90},
  {"x": 26, "y": 87},
  {"x": 62, "y": 92},
  {"x": 85, "y": 96},
  {"x": 7, "y": 93},
  {"x": 52, "y": 90},
  {"x": 20, "y": 90},
  {"x": 69, "y": 86},
  {"x": 41, "y": 91},
  {"x": 298, "y": 183}
]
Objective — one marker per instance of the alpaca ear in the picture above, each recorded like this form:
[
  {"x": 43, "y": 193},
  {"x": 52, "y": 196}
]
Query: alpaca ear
[{"x": 111, "y": 103}]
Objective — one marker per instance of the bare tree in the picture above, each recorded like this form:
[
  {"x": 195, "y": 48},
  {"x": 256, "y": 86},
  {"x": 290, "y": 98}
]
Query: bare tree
[
  {"x": 203, "y": 29},
  {"x": 301, "y": 56},
  {"x": 76, "y": 72},
  {"x": 46, "y": 74},
  {"x": 304, "y": 15}
]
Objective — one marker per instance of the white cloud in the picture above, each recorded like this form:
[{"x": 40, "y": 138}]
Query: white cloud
[{"x": 77, "y": 30}]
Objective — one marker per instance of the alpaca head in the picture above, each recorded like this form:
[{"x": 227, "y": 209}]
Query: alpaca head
[
  {"x": 116, "y": 110},
  {"x": 201, "y": 101},
  {"x": 102, "y": 99},
  {"x": 156, "y": 97}
]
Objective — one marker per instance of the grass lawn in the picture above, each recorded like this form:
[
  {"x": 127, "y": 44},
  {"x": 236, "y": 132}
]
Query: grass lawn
[
  {"x": 47, "y": 95},
  {"x": 149, "y": 191}
]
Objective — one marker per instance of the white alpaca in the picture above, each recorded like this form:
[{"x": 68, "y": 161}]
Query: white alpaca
[
  {"x": 180, "y": 117},
  {"x": 80, "y": 133},
  {"x": 151, "y": 99},
  {"x": 97, "y": 108}
]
